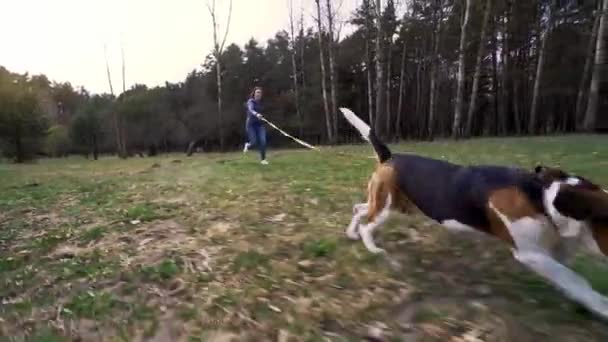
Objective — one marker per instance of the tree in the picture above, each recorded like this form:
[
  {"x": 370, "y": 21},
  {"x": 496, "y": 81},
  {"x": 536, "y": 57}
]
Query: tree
[
  {"x": 438, "y": 18},
  {"x": 119, "y": 132},
  {"x": 456, "y": 128},
  {"x": 402, "y": 76},
  {"x": 380, "y": 64},
  {"x": 477, "y": 73},
  {"x": 86, "y": 129},
  {"x": 217, "y": 52},
  {"x": 600, "y": 63},
  {"x": 23, "y": 126},
  {"x": 333, "y": 77},
  {"x": 419, "y": 91},
  {"x": 503, "y": 92},
  {"x": 364, "y": 18},
  {"x": 580, "y": 107},
  {"x": 57, "y": 141},
  {"x": 328, "y": 120},
  {"x": 390, "y": 27},
  {"x": 294, "y": 67},
  {"x": 540, "y": 67}
]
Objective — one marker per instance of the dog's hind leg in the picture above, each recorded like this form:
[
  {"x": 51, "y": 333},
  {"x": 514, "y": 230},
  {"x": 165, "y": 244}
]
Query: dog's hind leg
[
  {"x": 375, "y": 221},
  {"x": 359, "y": 210}
]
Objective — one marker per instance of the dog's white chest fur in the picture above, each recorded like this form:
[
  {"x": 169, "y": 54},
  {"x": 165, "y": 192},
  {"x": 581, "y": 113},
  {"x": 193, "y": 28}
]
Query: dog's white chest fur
[{"x": 568, "y": 227}]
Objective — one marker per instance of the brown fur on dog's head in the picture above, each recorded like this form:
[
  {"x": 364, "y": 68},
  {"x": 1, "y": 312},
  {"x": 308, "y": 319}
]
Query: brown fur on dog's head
[
  {"x": 579, "y": 199},
  {"x": 552, "y": 174}
]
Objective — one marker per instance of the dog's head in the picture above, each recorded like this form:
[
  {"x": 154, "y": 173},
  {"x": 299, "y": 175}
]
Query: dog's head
[
  {"x": 548, "y": 175},
  {"x": 577, "y": 198}
]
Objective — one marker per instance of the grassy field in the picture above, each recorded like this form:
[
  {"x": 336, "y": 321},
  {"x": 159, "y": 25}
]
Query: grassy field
[{"x": 196, "y": 249}]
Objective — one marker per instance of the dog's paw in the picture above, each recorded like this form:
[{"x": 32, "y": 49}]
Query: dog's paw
[
  {"x": 352, "y": 235},
  {"x": 376, "y": 250}
]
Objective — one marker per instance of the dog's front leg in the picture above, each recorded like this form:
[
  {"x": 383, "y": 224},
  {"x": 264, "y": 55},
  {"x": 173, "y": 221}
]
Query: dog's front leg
[
  {"x": 567, "y": 281},
  {"x": 359, "y": 210}
]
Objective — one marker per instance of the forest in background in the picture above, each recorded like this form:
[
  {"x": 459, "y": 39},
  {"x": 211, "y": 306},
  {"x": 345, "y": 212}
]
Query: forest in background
[{"x": 445, "y": 68}]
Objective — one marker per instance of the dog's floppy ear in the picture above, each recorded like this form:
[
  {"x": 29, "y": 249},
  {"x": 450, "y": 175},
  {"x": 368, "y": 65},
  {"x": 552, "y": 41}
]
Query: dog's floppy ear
[
  {"x": 550, "y": 174},
  {"x": 543, "y": 174},
  {"x": 574, "y": 203},
  {"x": 582, "y": 204}
]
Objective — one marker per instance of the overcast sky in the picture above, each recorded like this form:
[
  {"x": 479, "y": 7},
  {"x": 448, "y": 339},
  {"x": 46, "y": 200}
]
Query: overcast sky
[{"x": 163, "y": 40}]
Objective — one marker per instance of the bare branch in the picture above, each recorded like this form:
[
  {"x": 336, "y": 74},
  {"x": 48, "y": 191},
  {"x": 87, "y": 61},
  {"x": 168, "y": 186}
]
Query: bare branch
[
  {"x": 108, "y": 69},
  {"x": 211, "y": 11},
  {"x": 122, "y": 53},
  {"x": 317, "y": 18},
  {"x": 291, "y": 22},
  {"x": 227, "y": 27}
]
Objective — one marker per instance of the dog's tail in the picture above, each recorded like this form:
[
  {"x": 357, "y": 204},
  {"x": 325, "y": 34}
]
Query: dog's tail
[{"x": 369, "y": 134}]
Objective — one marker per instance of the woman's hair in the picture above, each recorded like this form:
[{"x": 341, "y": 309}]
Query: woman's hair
[{"x": 252, "y": 94}]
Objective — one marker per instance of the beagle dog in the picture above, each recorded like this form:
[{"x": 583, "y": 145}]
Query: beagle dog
[{"x": 543, "y": 215}]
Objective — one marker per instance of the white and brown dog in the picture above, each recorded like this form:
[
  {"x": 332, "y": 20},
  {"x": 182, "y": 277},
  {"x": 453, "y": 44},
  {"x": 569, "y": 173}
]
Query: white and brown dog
[{"x": 543, "y": 215}]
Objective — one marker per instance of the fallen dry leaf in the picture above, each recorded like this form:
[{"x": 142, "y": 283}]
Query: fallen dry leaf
[
  {"x": 274, "y": 308},
  {"x": 277, "y": 218}
]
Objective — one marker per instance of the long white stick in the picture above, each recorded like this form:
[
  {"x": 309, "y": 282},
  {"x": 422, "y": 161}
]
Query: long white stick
[{"x": 303, "y": 143}]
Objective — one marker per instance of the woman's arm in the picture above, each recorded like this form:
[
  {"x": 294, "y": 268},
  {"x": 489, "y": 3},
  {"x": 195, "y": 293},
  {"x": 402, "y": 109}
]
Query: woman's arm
[{"x": 251, "y": 110}]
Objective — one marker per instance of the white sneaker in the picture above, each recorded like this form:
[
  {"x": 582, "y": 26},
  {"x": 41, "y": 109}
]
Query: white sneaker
[
  {"x": 246, "y": 148},
  {"x": 264, "y": 162}
]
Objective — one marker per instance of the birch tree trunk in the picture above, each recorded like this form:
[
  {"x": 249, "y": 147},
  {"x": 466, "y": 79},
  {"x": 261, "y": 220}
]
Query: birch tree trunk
[
  {"x": 398, "y": 130},
  {"x": 121, "y": 119},
  {"x": 580, "y": 103},
  {"x": 600, "y": 60},
  {"x": 539, "y": 74},
  {"x": 516, "y": 106},
  {"x": 496, "y": 119},
  {"x": 388, "y": 90},
  {"x": 328, "y": 120},
  {"x": 370, "y": 82},
  {"x": 302, "y": 47},
  {"x": 419, "y": 111},
  {"x": 506, "y": 72},
  {"x": 368, "y": 59},
  {"x": 333, "y": 79},
  {"x": 217, "y": 52},
  {"x": 115, "y": 115},
  {"x": 434, "y": 66},
  {"x": 295, "y": 69},
  {"x": 380, "y": 101},
  {"x": 477, "y": 74},
  {"x": 456, "y": 127}
]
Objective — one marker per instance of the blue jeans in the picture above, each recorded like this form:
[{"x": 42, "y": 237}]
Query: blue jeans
[{"x": 257, "y": 137}]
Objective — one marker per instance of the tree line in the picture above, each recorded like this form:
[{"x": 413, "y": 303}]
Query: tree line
[{"x": 443, "y": 68}]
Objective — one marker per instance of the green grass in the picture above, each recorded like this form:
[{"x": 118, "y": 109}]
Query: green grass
[
  {"x": 319, "y": 248},
  {"x": 250, "y": 260},
  {"x": 165, "y": 270},
  {"x": 220, "y": 242},
  {"x": 93, "y": 305}
]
